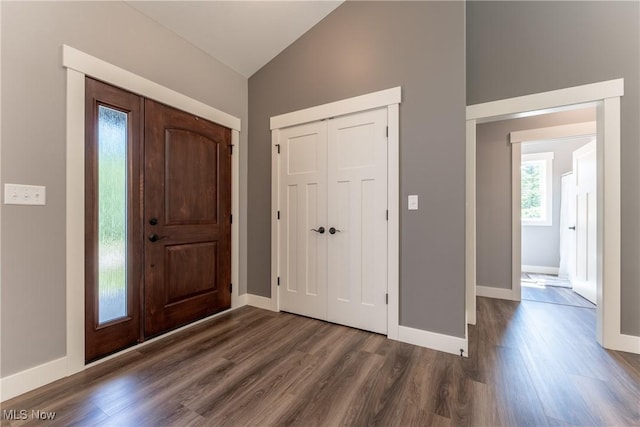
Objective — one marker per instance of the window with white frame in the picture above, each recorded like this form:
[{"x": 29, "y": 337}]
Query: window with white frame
[{"x": 536, "y": 188}]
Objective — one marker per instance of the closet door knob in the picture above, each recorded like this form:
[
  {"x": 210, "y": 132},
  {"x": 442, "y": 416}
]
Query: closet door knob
[
  {"x": 319, "y": 230},
  {"x": 333, "y": 230},
  {"x": 572, "y": 228}
]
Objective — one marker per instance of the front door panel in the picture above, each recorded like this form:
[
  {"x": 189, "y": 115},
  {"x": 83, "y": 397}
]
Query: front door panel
[{"x": 187, "y": 218}]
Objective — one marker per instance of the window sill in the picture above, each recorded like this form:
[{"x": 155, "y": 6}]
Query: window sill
[{"x": 537, "y": 224}]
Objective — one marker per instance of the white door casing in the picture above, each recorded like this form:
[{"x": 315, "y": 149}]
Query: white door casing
[
  {"x": 303, "y": 201},
  {"x": 357, "y": 147},
  {"x": 388, "y": 99},
  {"x": 333, "y": 174},
  {"x": 584, "y": 172}
]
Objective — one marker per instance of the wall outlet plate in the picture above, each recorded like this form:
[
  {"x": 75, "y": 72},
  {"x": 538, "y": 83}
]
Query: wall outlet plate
[{"x": 18, "y": 194}]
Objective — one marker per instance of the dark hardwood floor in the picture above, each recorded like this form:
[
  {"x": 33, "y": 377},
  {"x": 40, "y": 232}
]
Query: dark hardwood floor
[{"x": 531, "y": 364}]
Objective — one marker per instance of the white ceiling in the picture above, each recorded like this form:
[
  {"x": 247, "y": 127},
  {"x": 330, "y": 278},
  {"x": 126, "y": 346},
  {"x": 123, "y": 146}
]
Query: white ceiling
[{"x": 244, "y": 35}]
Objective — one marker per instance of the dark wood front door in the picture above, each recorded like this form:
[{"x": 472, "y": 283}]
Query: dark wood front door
[
  {"x": 157, "y": 222},
  {"x": 187, "y": 206}
]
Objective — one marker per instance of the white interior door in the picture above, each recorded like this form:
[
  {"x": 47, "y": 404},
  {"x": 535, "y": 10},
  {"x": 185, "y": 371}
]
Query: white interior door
[
  {"x": 584, "y": 170},
  {"x": 567, "y": 268},
  {"x": 303, "y": 207},
  {"x": 357, "y": 174}
]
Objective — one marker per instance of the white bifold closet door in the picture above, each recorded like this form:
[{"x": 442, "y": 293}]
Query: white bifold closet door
[{"x": 333, "y": 174}]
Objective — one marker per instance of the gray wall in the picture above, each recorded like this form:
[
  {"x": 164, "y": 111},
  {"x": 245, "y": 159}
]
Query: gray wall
[
  {"x": 519, "y": 48},
  {"x": 541, "y": 244},
  {"x": 363, "y": 47},
  {"x": 493, "y": 191},
  {"x": 33, "y": 144}
]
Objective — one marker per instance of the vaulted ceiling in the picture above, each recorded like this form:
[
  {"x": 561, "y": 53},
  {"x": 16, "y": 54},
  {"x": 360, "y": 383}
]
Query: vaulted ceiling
[{"x": 244, "y": 35}]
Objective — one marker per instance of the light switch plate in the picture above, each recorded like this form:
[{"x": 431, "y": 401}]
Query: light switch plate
[
  {"x": 18, "y": 194},
  {"x": 413, "y": 202}
]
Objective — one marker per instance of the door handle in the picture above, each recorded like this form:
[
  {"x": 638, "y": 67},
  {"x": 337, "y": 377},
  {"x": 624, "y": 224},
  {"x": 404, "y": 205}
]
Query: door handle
[
  {"x": 155, "y": 237},
  {"x": 333, "y": 230},
  {"x": 572, "y": 228},
  {"x": 319, "y": 230}
]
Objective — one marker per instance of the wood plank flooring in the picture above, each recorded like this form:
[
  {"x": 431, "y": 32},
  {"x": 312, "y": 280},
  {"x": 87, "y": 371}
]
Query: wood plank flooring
[
  {"x": 555, "y": 295},
  {"x": 551, "y": 289},
  {"x": 531, "y": 364},
  {"x": 546, "y": 280}
]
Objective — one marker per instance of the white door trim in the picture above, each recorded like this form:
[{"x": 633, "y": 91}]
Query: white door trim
[
  {"x": 516, "y": 223},
  {"x": 84, "y": 63},
  {"x": 470, "y": 225},
  {"x": 606, "y": 96},
  {"x": 554, "y": 132},
  {"x": 369, "y": 101},
  {"x": 390, "y": 99},
  {"x": 539, "y": 103}
]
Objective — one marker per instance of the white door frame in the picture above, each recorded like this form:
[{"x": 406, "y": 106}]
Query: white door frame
[
  {"x": 606, "y": 96},
  {"x": 389, "y": 98},
  {"x": 516, "y": 139},
  {"x": 78, "y": 65}
]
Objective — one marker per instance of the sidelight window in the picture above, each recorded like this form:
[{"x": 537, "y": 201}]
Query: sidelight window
[{"x": 112, "y": 214}]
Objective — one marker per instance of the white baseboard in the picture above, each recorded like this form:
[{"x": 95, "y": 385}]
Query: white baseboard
[
  {"x": 260, "y": 302},
  {"x": 32, "y": 378},
  {"x": 241, "y": 301},
  {"x": 494, "y": 292},
  {"x": 432, "y": 340},
  {"x": 622, "y": 342},
  {"x": 540, "y": 269}
]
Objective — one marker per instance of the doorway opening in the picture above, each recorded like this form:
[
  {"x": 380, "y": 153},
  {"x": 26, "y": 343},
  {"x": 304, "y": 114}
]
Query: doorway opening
[
  {"x": 605, "y": 97},
  {"x": 558, "y": 211}
]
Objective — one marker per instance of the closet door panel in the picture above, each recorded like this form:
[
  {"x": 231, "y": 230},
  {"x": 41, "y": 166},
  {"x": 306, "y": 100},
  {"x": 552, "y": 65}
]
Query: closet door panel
[
  {"x": 303, "y": 208},
  {"x": 357, "y": 250}
]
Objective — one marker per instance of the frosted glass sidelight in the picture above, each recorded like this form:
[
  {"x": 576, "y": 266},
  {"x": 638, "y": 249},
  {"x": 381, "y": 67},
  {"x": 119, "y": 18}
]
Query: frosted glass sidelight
[{"x": 112, "y": 214}]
